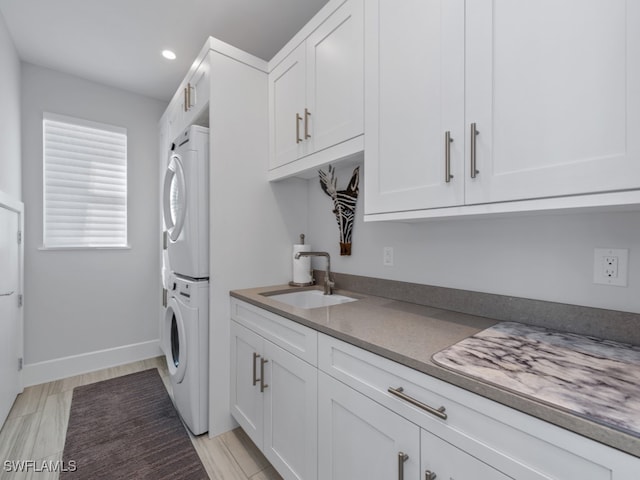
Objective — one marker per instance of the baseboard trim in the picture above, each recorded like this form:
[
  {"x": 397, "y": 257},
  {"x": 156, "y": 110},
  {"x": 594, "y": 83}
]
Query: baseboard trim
[{"x": 56, "y": 369}]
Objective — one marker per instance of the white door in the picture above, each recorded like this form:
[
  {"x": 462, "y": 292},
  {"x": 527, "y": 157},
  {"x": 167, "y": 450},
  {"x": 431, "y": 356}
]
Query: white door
[
  {"x": 286, "y": 109},
  {"x": 415, "y": 95},
  {"x": 359, "y": 439},
  {"x": 553, "y": 87},
  {"x": 174, "y": 198},
  {"x": 10, "y": 325},
  {"x": 442, "y": 460},
  {"x": 291, "y": 414},
  {"x": 247, "y": 404},
  {"x": 335, "y": 79}
]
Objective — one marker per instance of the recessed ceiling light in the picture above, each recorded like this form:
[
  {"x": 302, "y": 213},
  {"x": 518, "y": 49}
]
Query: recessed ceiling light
[{"x": 168, "y": 54}]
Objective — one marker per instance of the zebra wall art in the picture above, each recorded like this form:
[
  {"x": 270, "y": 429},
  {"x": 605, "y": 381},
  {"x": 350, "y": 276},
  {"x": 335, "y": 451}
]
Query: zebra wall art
[{"x": 344, "y": 204}]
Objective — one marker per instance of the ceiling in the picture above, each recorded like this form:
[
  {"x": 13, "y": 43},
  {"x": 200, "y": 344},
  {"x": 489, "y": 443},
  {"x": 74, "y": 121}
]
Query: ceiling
[{"x": 119, "y": 42}]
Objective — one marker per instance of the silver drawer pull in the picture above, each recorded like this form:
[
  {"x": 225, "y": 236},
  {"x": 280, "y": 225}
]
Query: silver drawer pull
[
  {"x": 429, "y": 475},
  {"x": 447, "y": 156},
  {"x": 438, "y": 412},
  {"x": 255, "y": 376},
  {"x": 474, "y": 133},
  {"x": 8, "y": 294},
  {"x": 262, "y": 384},
  {"x": 402, "y": 457}
]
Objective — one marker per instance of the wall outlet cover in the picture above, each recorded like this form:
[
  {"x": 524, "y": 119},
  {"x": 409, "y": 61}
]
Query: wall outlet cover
[{"x": 610, "y": 266}]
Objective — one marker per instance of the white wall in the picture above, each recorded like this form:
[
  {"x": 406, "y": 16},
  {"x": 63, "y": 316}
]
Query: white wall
[
  {"x": 546, "y": 257},
  {"x": 10, "y": 161},
  {"x": 83, "y": 301}
]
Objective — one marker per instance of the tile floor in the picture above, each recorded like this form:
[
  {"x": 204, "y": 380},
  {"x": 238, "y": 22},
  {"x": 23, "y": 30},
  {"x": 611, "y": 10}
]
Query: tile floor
[{"x": 36, "y": 427}]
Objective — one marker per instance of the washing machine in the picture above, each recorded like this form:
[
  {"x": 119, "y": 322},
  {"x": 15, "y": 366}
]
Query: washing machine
[
  {"x": 186, "y": 347},
  {"x": 185, "y": 203}
]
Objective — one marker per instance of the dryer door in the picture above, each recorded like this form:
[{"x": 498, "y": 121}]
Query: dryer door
[
  {"x": 174, "y": 198},
  {"x": 175, "y": 339}
]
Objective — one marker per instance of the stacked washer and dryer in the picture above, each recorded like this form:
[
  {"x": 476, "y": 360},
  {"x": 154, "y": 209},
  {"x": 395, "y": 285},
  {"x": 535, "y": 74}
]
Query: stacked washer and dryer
[{"x": 185, "y": 335}]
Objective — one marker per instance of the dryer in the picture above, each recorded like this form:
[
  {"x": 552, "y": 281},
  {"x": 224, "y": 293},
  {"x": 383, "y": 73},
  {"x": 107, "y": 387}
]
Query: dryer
[
  {"x": 185, "y": 203},
  {"x": 186, "y": 346}
]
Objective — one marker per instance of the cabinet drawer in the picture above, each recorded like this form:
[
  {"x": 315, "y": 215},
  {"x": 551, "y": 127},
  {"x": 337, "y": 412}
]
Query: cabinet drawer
[
  {"x": 512, "y": 442},
  {"x": 295, "y": 338}
]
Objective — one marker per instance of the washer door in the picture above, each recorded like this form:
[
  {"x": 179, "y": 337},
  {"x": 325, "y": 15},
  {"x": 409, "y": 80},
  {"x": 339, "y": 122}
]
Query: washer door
[
  {"x": 174, "y": 198},
  {"x": 175, "y": 341}
]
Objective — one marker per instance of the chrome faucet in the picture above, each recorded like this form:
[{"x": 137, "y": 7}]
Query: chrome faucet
[{"x": 328, "y": 283}]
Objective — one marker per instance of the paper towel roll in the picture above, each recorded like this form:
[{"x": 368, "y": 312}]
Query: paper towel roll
[{"x": 302, "y": 265}]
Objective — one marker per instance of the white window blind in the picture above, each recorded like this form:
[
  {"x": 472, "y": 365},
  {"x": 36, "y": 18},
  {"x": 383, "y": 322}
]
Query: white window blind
[{"x": 85, "y": 183}]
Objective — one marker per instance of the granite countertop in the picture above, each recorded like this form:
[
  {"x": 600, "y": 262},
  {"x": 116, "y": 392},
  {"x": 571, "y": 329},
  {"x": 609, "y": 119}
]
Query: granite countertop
[{"x": 412, "y": 334}]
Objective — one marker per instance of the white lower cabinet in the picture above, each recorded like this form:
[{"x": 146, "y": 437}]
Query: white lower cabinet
[
  {"x": 442, "y": 460},
  {"x": 360, "y": 439},
  {"x": 320, "y": 408},
  {"x": 274, "y": 398},
  {"x": 463, "y": 436}
]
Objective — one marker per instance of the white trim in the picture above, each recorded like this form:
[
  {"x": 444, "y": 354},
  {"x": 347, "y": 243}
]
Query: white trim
[
  {"x": 56, "y": 369},
  {"x": 44, "y": 248},
  {"x": 12, "y": 204},
  {"x": 597, "y": 202}
]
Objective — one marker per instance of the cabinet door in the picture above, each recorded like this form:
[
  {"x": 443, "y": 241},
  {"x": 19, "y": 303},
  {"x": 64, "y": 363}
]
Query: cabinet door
[
  {"x": 246, "y": 399},
  {"x": 175, "y": 115},
  {"x": 360, "y": 439},
  {"x": 335, "y": 78},
  {"x": 198, "y": 93},
  {"x": 443, "y": 460},
  {"x": 414, "y": 94},
  {"x": 291, "y": 414},
  {"x": 286, "y": 109},
  {"x": 554, "y": 89}
]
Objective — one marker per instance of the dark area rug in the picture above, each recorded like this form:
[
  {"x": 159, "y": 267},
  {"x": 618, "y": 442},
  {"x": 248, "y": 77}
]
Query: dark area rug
[{"x": 127, "y": 428}]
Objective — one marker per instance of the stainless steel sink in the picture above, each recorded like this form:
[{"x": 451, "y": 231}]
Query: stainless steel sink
[{"x": 311, "y": 299}]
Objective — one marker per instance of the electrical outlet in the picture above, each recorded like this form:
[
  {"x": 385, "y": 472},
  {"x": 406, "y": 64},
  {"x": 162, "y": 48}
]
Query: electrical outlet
[
  {"x": 387, "y": 256},
  {"x": 610, "y": 266}
]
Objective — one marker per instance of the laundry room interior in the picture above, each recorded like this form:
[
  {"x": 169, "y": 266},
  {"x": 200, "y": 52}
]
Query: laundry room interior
[{"x": 320, "y": 240}]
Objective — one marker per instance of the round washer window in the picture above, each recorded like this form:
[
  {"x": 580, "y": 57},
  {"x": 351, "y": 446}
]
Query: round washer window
[{"x": 175, "y": 342}]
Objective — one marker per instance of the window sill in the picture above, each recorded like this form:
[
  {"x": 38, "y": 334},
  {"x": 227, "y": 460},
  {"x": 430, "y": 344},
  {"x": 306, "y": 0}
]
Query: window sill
[{"x": 62, "y": 249}]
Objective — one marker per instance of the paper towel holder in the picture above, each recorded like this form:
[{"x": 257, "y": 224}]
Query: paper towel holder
[{"x": 313, "y": 280}]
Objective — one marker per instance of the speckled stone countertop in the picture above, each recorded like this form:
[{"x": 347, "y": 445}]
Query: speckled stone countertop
[{"x": 411, "y": 334}]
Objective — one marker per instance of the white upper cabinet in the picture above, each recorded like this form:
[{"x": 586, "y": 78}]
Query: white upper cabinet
[
  {"x": 413, "y": 100},
  {"x": 286, "y": 101},
  {"x": 196, "y": 93},
  {"x": 335, "y": 82},
  {"x": 316, "y": 95},
  {"x": 552, "y": 89}
]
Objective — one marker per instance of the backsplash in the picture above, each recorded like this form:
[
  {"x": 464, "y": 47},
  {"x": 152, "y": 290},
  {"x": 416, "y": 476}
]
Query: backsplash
[
  {"x": 597, "y": 322},
  {"x": 546, "y": 256}
]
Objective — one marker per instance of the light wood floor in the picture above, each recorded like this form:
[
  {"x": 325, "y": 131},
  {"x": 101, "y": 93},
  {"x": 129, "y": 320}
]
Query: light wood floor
[{"x": 37, "y": 424}]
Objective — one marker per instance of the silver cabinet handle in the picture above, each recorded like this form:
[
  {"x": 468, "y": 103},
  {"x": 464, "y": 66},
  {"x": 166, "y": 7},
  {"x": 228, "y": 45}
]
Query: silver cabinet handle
[
  {"x": 429, "y": 475},
  {"x": 186, "y": 100},
  {"x": 298, "y": 118},
  {"x": 447, "y": 156},
  {"x": 438, "y": 412},
  {"x": 307, "y": 114},
  {"x": 189, "y": 104},
  {"x": 262, "y": 384},
  {"x": 8, "y": 294},
  {"x": 255, "y": 368},
  {"x": 402, "y": 457},
  {"x": 474, "y": 133}
]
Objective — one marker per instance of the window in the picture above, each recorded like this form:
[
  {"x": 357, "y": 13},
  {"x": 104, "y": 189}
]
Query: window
[{"x": 85, "y": 183}]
